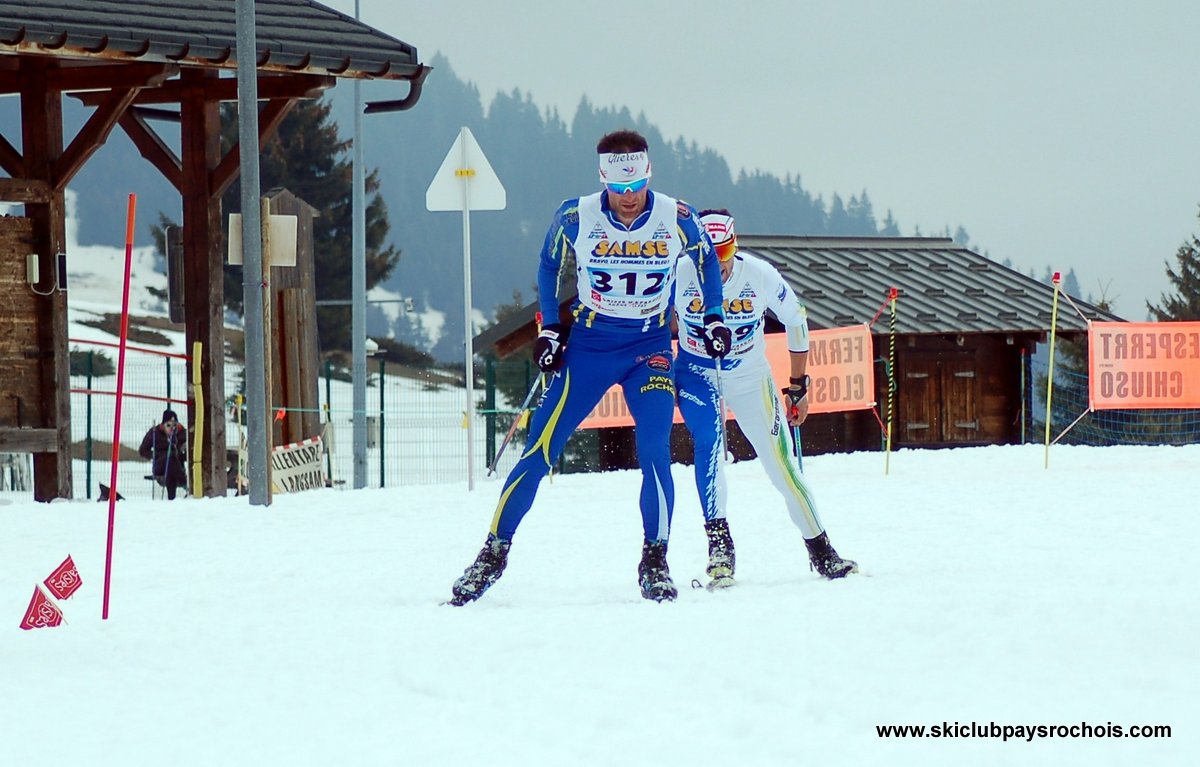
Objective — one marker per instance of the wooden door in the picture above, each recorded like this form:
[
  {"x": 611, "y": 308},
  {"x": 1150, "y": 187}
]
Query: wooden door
[
  {"x": 938, "y": 399},
  {"x": 919, "y": 415},
  {"x": 960, "y": 418}
]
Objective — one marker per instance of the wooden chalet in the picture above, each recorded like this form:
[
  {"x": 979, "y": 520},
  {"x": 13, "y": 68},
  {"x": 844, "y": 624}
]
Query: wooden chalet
[{"x": 136, "y": 62}]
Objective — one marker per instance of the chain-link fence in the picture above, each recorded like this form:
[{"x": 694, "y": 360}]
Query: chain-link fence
[
  {"x": 1072, "y": 423},
  {"x": 417, "y": 423},
  {"x": 152, "y": 382}
]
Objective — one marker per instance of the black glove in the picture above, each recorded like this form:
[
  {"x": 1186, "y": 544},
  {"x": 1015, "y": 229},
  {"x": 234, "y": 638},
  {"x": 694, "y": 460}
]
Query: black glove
[
  {"x": 549, "y": 347},
  {"x": 795, "y": 393},
  {"x": 717, "y": 337}
]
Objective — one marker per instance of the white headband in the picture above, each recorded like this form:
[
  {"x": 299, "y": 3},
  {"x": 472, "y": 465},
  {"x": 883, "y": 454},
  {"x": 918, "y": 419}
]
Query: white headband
[
  {"x": 719, "y": 227},
  {"x": 623, "y": 167}
]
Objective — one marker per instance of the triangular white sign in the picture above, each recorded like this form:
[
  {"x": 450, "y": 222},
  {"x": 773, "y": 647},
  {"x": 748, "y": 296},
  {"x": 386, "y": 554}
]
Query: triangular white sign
[{"x": 465, "y": 178}]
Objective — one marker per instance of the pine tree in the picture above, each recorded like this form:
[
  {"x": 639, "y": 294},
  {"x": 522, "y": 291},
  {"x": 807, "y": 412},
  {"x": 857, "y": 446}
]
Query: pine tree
[
  {"x": 1070, "y": 284},
  {"x": 839, "y": 219},
  {"x": 307, "y": 157},
  {"x": 1184, "y": 304},
  {"x": 889, "y": 228},
  {"x": 861, "y": 214}
]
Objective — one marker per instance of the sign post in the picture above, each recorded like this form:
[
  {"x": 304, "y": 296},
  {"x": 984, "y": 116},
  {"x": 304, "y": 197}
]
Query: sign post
[{"x": 465, "y": 181}]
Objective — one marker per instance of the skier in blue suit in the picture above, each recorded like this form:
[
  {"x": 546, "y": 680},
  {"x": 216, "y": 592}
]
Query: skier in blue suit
[{"x": 626, "y": 241}]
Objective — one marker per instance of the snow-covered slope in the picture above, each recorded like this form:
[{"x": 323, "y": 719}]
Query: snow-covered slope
[{"x": 309, "y": 633}]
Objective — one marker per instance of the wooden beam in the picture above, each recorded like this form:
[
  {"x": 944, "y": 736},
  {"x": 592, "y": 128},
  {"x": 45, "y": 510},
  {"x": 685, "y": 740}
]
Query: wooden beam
[
  {"x": 42, "y": 141},
  {"x": 25, "y": 190},
  {"x": 10, "y": 80},
  {"x": 153, "y": 148},
  {"x": 203, "y": 248},
  {"x": 151, "y": 113},
  {"x": 11, "y": 160},
  {"x": 28, "y": 440},
  {"x": 270, "y": 87},
  {"x": 269, "y": 118},
  {"x": 91, "y": 136},
  {"x": 110, "y": 76}
]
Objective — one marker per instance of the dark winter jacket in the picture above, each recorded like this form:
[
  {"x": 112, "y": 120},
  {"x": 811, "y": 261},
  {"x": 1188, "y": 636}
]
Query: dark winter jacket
[{"x": 167, "y": 448}]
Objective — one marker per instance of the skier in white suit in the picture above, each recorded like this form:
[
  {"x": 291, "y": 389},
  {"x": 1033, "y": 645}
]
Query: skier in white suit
[{"x": 751, "y": 286}]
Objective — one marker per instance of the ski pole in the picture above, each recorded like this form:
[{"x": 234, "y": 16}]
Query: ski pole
[
  {"x": 513, "y": 429},
  {"x": 721, "y": 413},
  {"x": 799, "y": 449}
]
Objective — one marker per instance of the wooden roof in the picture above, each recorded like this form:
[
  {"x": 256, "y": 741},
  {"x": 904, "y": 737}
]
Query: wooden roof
[
  {"x": 943, "y": 286},
  {"x": 292, "y": 35}
]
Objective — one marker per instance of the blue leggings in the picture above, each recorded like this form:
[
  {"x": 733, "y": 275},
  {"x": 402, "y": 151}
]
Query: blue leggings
[{"x": 594, "y": 361}]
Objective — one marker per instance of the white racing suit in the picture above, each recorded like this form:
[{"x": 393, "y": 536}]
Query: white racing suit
[{"x": 746, "y": 382}]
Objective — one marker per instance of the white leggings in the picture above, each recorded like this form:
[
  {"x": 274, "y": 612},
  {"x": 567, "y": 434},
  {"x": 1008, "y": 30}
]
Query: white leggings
[{"x": 759, "y": 413}]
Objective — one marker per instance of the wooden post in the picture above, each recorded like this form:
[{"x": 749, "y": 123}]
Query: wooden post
[
  {"x": 42, "y": 143},
  {"x": 204, "y": 277},
  {"x": 296, "y": 355}
]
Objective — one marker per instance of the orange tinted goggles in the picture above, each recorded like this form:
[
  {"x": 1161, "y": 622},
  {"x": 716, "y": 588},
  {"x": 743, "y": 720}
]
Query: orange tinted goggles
[{"x": 727, "y": 249}]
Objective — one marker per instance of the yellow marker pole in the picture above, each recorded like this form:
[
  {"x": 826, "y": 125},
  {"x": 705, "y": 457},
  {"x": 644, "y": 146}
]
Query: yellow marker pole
[
  {"x": 268, "y": 305},
  {"x": 198, "y": 434},
  {"x": 1057, "y": 280},
  {"x": 893, "y": 293}
]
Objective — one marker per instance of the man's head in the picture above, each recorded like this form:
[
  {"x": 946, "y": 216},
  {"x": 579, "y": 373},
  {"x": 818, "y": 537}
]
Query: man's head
[
  {"x": 170, "y": 417},
  {"x": 718, "y": 222},
  {"x": 625, "y": 172}
]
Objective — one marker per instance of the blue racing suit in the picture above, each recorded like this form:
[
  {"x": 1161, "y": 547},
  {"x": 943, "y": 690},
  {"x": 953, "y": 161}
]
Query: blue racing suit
[{"x": 621, "y": 335}]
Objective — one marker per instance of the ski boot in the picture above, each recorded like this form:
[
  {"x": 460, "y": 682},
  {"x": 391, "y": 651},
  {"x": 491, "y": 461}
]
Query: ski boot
[
  {"x": 823, "y": 559},
  {"x": 653, "y": 575},
  {"x": 720, "y": 554},
  {"x": 482, "y": 573}
]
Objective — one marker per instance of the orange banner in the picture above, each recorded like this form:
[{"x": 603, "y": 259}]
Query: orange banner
[
  {"x": 839, "y": 362},
  {"x": 1143, "y": 365}
]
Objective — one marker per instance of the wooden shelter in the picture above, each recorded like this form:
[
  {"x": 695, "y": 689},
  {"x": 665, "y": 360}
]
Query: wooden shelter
[
  {"x": 134, "y": 62},
  {"x": 966, "y": 328}
]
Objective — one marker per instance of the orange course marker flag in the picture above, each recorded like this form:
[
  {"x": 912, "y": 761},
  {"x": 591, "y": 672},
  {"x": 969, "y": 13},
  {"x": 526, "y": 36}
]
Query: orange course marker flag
[{"x": 1143, "y": 365}]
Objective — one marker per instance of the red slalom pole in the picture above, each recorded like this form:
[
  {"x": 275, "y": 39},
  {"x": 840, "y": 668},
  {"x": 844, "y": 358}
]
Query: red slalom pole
[{"x": 116, "y": 443}]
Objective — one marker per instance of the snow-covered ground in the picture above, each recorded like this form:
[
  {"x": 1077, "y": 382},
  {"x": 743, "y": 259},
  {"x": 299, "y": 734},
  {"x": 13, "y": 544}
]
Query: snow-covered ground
[{"x": 992, "y": 590}]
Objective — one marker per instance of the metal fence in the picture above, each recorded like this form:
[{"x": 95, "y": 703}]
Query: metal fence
[{"x": 416, "y": 423}]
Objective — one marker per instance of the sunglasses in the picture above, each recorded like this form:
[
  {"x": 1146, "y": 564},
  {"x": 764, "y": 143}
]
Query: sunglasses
[
  {"x": 632, "y": 186},
  {"x": 727, "y": 249}
]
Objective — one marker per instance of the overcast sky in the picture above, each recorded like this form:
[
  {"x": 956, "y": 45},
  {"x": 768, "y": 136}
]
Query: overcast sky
[{"x": 1061, "y": 134}]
